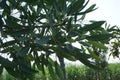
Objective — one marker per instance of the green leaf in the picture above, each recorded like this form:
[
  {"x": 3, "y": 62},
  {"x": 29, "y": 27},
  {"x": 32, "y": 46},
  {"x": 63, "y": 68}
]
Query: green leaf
[
  {"x": 12, "y": 71},
  {"x": 40, "y": 66},
  {"x": 42, "y": 41},
  {"x": 63, "y": 53},
  {"x": 38, "y": 62},
  {"x": 3, "y": 4},
  {"x": 18, "y": 33},
  {"x": 51, "y": 62},
  {"x": 85, "y": 43},
  {"x": 50, "y": 19},
  {"x": 6, "y": 50},
  {"x": 76, "y": 6},
  {"x": 27, "y": 69},
  {"x": 98, "y": 45},
  {"x": 59, "y": 71},
  {"x": 83, "y": 17},
  {"x": 12, "y": 22},
  {"x": 86, "y": 62},
  {"x": 1, "y": 69},
  {"x": 23, "y": 52},
  {"x": 62, "y": 5},
  {"x": 94, "y": 55},
  {"x": 99, "y": 37},
  {"x": 7, "y": 44},
  {"x": 31, "y": 2},
  {"x": 90, "y": 9},
  {"x": 83, "y": 57},
  {"x": 67, "y": 56},
  {"x": 23, "y": 38},
  {"x": 56, "y": 7},
  {"x": 69, "y": 24},
  {"x": 93, "y": 26},
  {"x": 74, "y": 33},
  {"x": 6, "y": 63},
  {"x": 1, "y": 23},
  {"x": 52, "y": 73},
  {"x": 76, "y": 52}
]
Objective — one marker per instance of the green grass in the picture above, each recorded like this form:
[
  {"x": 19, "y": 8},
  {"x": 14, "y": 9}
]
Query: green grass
[
  {"x": 75, "y": 72},
  {"x": 112, "y": 72},
  {"x": 6, "y": 76}
]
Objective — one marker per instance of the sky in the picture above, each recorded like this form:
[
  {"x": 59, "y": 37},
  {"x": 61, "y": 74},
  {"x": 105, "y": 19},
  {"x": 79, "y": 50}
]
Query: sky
[{"x": 108, "y": 10}]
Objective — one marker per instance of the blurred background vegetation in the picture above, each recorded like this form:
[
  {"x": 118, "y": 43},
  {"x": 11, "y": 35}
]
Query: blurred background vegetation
[{"x": 75, "y": 72}]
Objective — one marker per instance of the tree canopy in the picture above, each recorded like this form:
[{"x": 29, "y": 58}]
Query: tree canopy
[{"x": 32, "y": 30}]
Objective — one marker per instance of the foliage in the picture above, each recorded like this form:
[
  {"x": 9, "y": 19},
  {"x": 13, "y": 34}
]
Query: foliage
[
  {"x": 76, "y": 72},
  {"x": 32, "y": 30},
  {"x": 112, "y": 72}
]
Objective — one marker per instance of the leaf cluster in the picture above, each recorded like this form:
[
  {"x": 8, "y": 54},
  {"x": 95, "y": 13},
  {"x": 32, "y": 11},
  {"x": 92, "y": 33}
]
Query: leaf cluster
[{"x": 32, "y": 30}]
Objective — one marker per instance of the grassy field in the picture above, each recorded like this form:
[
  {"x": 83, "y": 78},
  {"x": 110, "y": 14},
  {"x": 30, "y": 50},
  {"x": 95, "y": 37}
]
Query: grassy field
[{"x": 112, "y": 72}]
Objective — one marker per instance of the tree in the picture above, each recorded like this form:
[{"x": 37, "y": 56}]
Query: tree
[{"x": 32, "y": 30}]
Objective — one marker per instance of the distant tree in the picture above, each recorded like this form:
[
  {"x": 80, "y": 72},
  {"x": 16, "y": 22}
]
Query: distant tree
[{"x": 32, "y": 30}]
